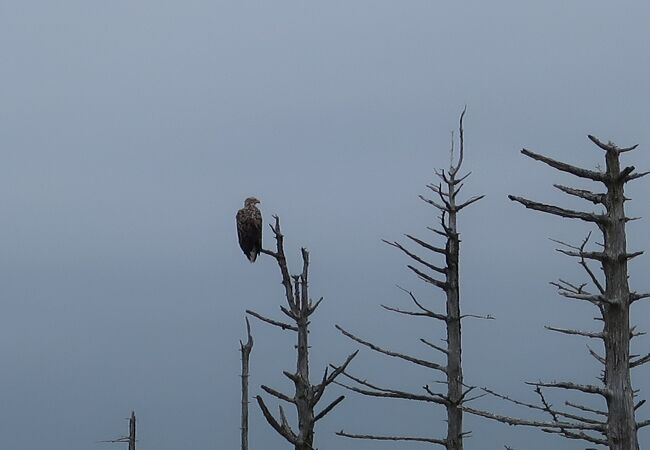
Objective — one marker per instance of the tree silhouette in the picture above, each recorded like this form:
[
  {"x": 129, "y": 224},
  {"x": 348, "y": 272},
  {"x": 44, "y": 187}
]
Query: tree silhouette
[
  {"x": 614, "y": 425},
  {"x": 446, "y": 279},
  {"x": 306, "y": 395}
]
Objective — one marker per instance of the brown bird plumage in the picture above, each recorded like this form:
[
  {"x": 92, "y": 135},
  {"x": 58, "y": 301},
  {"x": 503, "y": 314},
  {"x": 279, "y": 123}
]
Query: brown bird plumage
[{"x": 249, "y": 228}]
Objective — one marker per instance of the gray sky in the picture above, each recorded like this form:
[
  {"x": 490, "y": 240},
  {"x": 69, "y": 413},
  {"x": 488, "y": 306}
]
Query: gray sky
[{"x": 132, "y": 131}]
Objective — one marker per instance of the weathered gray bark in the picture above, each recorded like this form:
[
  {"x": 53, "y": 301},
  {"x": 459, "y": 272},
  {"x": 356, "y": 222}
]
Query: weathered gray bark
[
  {"x": 616, "y": 427},
  {"x": 454, "y": 344},
  {"x": 132, "y": 431},
  {"x": 245, "y": 350},
  {"x": 621, "y": 422},
  {"x": 447, "y": 203},
  {"x": 306, "y": 395},
  {"x": 130, "y": 439}
]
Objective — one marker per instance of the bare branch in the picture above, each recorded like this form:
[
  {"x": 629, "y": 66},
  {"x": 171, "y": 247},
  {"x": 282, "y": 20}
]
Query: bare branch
[
  {"x": 469, "y": 202},
  {"x": 437, "y": 188},
  {"x": 575, "y": 247},
  {"x": 416, "y": 257},
  {"x": 639, "y": 361},
  {"x": 313, "y": 306},
  {"x": 622, "y": 177},
  {"x": 283, "y": 419},
  {"x": 634, "y": 296},
  {"x": 328, "y": 379},
  {"x": 589, "y": 334},
  {"x": 579, "y": 435},
  {"x": 453, "y": 170},
  {"x": 328, "y": 408},
  {"x": 282, "y": 262},
  {"x": 557, "y": 211},
  {"x": 283, "y": 325},
  {"x": 546, "y": 407},
  {"x": 115, "y": 441},
  {"x": 440, "y": 349},
  {"x": 248, "y": 346},
  {"x": 278, "y": 394},
  {"x": 415, "y": 313},
  {"x": 640, "y": 425},
  {"x": 423, "y": 276},
  {"x": 577, "y": 171},
  {"x": 441, "y": 196},
  {"x": 610, "y": 146},
  {"x": 441, "y": 233},
  {"x": 533, "y": 423},
  {"x": 442, "y": 251},
  {"x": 463, "y": 178},
  {"x": 476, "y": 316},
  {"x": 419, "y": 362},
  {"x": 391, "y": 438},
  {"x": 433, "y": 203},
  {"x": 419, "y": 305},
  {"x": 596, "y": 356},
  {"x": 437, "y": 394},
  {"x": 465, "y": 399},
  {"x": 632, "y": 255},
  {"x": 586, "y": 388},
  {"x": 584, "y": 265},
  {"x": 269, "y": 252},
  {"x": 634, "y": 176},
  {"x": 288, "y": 313},
  {"x": 283, "y": 429},
  {"x": 598, "y": 256},
  {"x": 587, "y": 409},
  {"x": 377, "y": 391},
  {"x": 587, "y": 195},
  {"x": 292, "y": 376},
  {"x": 565, "y": 286},
  {"x": 595, "y": 299}
]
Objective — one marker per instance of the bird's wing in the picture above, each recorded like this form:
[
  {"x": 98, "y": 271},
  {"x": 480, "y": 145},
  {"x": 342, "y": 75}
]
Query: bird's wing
[
  {"x": 256, "y": 222},
  {"x": 242, "y": 228},
  {"x": 249, "y": 229}
]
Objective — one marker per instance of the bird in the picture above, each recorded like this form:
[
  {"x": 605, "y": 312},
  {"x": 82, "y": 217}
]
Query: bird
[{"x": 249, "y": 229}]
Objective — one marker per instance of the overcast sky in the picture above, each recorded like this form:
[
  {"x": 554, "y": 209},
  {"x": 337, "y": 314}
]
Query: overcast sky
[{"x": 131, "y": 132}]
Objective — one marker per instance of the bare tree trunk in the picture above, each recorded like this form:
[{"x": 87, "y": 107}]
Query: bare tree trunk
[
  {"x": 132, "y": 431},
  {"x": 245, "y": 350},
  {"x": 303, "y": 396},
  {"x": 454, "y": 344},
  {"x": 621, "y": 423},
  {"x": 306, "y": 395}
]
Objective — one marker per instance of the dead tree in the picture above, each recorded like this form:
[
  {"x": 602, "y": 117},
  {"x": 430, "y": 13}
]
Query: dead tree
[
  {"x": 130, "y": 439},
  {"x": 306, "y": 395},
  {"x": 245, "y": 350},
  {"x": 132, "y": 431},
  {"x": 445, "y": 278},
  {"x": 613, "y": 426}
]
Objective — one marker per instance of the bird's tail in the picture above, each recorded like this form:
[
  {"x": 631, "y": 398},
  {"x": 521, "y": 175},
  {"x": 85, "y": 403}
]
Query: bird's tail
[{"x": 252, "y": 256}]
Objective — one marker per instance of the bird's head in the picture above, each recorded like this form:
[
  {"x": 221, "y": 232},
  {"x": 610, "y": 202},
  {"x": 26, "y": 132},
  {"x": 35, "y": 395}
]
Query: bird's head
[{"x": 251, "y": 201}]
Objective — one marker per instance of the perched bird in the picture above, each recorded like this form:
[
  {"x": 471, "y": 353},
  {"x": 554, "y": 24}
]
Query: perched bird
[{"x": 249, "y": 228}]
